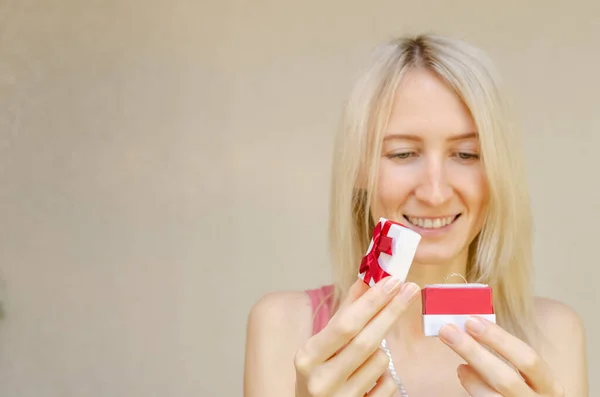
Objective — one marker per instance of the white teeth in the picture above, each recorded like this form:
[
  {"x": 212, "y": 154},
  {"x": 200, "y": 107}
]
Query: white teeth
[{"x": 428, "y": 223}]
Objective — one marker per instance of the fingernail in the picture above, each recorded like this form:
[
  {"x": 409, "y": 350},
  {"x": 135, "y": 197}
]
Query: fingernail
[
  {"x": 391, "y": 285},
  {"x": 409, "y": 292},
  {"x": 475, "y": 325},
  {"x": 449, "y": 334}
]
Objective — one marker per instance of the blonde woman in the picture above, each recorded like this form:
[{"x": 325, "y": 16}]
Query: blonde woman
[{"x": 427, "y": 140}]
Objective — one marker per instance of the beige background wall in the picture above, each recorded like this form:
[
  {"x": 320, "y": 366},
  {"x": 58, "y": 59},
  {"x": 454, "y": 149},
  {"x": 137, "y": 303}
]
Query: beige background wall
[{"x": 165, "y": 163}]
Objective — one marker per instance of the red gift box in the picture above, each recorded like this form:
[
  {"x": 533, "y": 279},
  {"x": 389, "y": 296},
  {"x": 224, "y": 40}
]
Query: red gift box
[{"x": 454, "y": 304}]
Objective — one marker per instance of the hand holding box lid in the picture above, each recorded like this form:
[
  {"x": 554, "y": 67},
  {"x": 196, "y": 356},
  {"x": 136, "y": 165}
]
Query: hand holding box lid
[{"x": 454, "y": 304}]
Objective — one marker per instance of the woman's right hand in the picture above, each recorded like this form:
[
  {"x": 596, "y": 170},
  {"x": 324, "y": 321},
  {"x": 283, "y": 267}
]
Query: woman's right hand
[{"x": 344, "y": 359}]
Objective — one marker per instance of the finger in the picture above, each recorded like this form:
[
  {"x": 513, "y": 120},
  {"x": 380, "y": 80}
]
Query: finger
[
  {"x": 346, "y": 324},
  {"x": 307, "y": 357},
  {"x": 385, "y": 387},
  {"x": 363, "y": 379},
  {"x": 473, "y": 384},
  {"x": 371, "y": 335},
  {"x": 535, "y": 371},
  {"x": 356, "y": 291},
  {"x": 490, "y": 368}
]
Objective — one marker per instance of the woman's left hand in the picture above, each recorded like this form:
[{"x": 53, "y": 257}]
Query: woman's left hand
[{"x": 487, "y": 375}]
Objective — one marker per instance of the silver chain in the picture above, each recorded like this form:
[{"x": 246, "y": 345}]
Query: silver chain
[{"x": 392, "y": 370}]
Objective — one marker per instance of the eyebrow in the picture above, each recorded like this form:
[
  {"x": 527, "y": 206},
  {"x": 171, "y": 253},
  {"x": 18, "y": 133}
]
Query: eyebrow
[{"x": 410, "y": 137}]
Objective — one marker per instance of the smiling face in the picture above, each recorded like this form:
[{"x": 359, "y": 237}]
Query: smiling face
[{"x": 430, "y": 175}]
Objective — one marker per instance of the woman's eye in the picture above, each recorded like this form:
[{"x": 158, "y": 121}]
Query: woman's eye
[
  {"x": 467, "y": 156},
  {"x": 403, "y": 155}
]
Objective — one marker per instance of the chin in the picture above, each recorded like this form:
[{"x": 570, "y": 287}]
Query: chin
[{"x": 435, "y": 254}]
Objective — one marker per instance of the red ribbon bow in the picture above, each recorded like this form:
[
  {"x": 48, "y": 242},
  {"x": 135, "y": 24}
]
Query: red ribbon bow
[{"x": 381, "y": 243}]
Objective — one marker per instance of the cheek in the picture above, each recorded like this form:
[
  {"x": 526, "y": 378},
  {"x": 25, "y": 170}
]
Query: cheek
[
  {"x": 475, "y": 191},
  {"x": 394, "y": 187}
]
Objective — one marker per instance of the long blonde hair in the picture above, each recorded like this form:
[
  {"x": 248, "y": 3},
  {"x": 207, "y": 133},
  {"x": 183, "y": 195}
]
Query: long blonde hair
[{"x": 501, "y": 254}]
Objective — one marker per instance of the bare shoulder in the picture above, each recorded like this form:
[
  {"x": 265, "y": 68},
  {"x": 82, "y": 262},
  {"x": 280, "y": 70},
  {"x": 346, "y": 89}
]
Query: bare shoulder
[
  {"x": 278, "y": 324},
  {"x": 289, "y": 312},
  {"x": 558, "y": 322},
  {"x": 563, "y": 344},
  {"x": 549, "y": 311}
]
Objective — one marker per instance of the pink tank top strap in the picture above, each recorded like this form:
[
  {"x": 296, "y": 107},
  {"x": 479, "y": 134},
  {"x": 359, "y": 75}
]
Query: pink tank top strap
[{"x": 321, "y": 300}]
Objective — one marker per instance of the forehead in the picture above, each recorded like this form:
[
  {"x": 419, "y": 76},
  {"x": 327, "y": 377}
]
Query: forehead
[{"x": 425, "y": 104}]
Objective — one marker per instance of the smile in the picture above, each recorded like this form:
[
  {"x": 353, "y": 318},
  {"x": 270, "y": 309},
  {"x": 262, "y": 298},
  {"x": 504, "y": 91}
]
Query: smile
[{"x": 431, "y": 223}]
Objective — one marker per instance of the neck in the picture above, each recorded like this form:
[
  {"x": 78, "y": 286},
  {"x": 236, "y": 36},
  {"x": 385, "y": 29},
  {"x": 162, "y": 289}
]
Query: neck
[
  {"x": 409, "y": 329},
  {"x": 425, "y": 273}
]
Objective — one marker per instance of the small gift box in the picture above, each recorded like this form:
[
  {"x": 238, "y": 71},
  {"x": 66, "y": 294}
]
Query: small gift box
[
  {"x": 390, "y": 252},
  {"x": 454, "y": 304}
]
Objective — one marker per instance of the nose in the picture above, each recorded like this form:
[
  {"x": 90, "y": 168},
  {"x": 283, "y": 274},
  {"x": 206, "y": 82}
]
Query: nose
[{"x": 433, "y": 188}]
